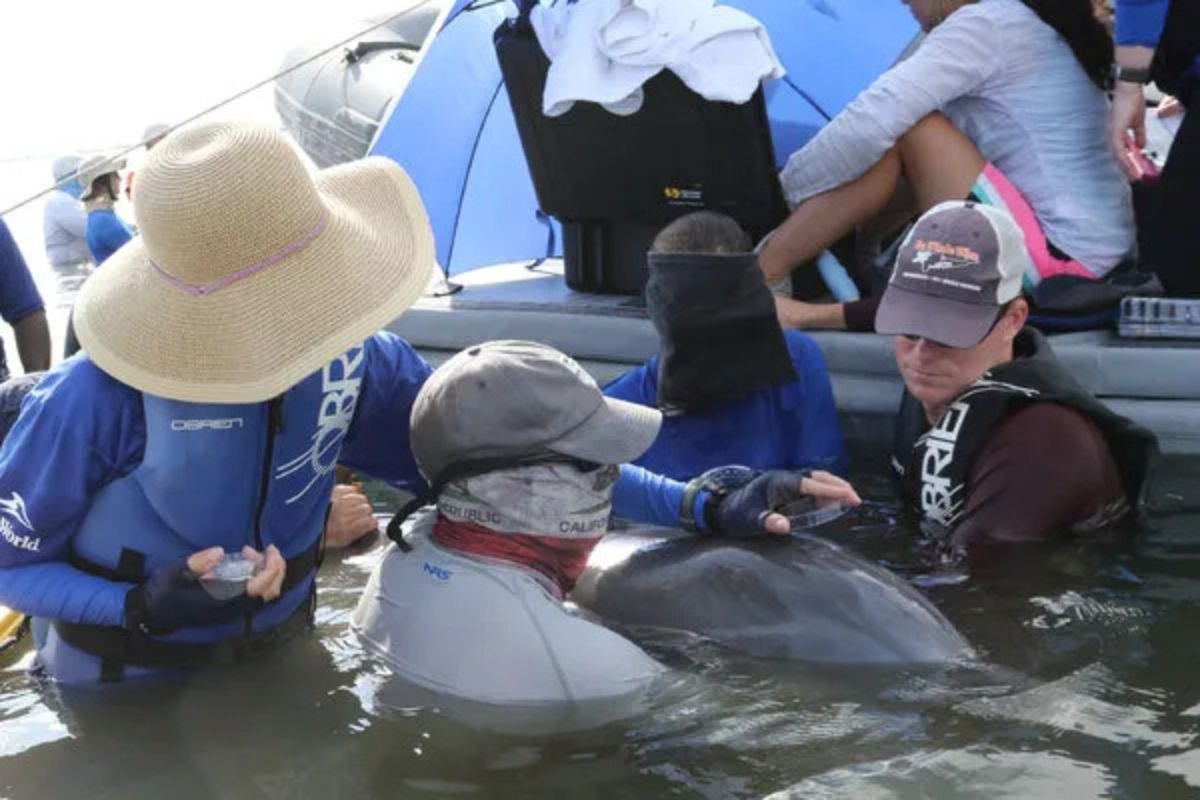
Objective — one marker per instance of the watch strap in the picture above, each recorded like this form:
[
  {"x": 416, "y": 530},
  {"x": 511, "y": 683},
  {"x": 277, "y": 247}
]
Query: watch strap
[{"x": 1140, "y": 75}]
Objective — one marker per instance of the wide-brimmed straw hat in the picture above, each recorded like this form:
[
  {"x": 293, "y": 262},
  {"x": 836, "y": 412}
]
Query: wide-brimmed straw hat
[
  {"x": 94, "y": 167},
  {"x": 251, "y": 272}
]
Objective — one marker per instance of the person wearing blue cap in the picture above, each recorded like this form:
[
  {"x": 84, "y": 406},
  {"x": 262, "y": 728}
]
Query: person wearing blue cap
[{"x": 65, "y": 220}]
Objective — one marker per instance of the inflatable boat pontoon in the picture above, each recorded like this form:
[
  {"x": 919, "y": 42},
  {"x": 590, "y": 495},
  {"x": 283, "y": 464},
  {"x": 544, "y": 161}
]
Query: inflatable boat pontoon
[{"x": 1156, "y": 383}]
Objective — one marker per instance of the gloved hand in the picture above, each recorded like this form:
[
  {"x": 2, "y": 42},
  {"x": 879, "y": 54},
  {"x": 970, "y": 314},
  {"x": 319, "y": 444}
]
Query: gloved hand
[
  {"x": 174, "y": 597},
  {"x": 750, "y": 510}
]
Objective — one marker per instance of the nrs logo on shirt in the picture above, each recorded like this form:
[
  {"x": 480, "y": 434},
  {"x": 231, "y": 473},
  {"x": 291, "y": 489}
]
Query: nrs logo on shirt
[
  {"x": 440, "y": 573},
  {"x": 15, "y": 508}
]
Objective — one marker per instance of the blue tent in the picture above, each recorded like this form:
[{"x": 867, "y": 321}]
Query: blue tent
[{"x": 453, "y": 128}]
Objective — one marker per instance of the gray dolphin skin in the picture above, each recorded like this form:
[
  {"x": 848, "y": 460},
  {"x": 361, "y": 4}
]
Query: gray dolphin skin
[{"x": 797, "y": 597}]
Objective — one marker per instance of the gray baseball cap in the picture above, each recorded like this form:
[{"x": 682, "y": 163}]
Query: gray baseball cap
[
  {"x": 511, "y": 399},
  {"x": 960, "y": 264}
]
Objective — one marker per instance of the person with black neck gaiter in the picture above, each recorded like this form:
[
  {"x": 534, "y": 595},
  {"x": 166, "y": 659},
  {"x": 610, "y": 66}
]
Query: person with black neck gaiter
[{"x": 733, "y": 386}]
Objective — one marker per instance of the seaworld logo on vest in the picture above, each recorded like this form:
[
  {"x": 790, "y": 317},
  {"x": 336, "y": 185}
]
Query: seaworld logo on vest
[
  {"x": 15, "y": 508},
  {"x": 937, "y": 494},
  {"x": 340, "y": 382}
]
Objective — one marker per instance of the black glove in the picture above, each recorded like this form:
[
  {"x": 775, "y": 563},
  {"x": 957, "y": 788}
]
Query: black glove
[
  {"x": 743, "y": 511},
  {"x": 173, "y": 597}
]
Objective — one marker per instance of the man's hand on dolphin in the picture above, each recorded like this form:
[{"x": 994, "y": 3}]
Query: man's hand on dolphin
[
  {"x": 826, "y": 488},
  {"x": 751, "y": 509}
]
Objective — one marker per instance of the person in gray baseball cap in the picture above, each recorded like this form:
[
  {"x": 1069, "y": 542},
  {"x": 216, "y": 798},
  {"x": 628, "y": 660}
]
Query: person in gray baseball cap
[
  {"x": 522, "y": 453},
  {"x": 996, "y": 442}
]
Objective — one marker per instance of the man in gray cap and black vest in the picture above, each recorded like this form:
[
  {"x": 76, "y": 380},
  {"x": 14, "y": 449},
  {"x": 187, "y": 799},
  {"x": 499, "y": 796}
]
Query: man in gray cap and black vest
[{"x": 996, "y": 443}]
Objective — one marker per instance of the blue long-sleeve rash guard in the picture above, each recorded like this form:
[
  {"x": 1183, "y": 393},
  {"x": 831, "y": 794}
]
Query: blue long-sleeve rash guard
[
  {"x": 1139, "y": 23},
  {"x": 790, "y": 426},
  {"x": 80, "y": 429}
]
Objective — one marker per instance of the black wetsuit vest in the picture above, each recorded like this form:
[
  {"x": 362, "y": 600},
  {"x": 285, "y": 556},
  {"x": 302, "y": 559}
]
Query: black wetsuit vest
[{"x": 933, "y": 464}]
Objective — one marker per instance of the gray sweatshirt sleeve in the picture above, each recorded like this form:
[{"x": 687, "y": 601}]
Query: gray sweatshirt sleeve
[
  {"x": 68, "y": 214},
  {"x": 957, "y": 57}
]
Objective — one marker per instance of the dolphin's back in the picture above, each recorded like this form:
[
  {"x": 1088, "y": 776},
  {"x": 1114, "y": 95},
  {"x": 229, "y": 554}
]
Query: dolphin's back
[{"x": 798, "y": 597}]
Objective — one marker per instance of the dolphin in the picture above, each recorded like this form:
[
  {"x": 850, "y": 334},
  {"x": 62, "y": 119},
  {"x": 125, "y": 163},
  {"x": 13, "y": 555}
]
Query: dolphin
[{"x": 798, "y": 597}]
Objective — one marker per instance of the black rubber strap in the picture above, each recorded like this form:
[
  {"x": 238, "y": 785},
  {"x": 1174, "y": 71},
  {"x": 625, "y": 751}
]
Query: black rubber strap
[
  {"x": 131, "y": 567},
  {"x": 119, "y": 647},
  {"x": 300, "y": 566},
  {"x": 687, "y": 517}
]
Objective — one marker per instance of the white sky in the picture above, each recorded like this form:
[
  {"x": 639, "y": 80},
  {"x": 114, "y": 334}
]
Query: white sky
[{"x": 80, "y": 74}]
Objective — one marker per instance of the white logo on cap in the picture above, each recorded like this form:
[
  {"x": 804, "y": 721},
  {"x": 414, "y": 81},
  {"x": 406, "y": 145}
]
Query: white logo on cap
[{"x": 935, "y": 256}]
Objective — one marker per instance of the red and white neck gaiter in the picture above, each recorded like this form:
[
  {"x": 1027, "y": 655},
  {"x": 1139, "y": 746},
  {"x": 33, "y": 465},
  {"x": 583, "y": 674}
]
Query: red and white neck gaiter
[{"x": 546, "y": 517}]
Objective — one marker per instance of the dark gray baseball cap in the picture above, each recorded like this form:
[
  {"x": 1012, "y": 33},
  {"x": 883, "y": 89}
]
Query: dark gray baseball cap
[
  {"x": 512, "y": 399},
  {"x": 959, "y": 265}
]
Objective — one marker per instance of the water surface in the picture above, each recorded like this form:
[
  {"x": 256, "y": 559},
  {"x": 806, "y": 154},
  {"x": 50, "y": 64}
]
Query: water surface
[{"x": 1085, "y": 688}]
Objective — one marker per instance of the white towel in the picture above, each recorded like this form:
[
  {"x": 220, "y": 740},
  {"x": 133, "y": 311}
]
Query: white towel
[{"x": 603, "y": 51}]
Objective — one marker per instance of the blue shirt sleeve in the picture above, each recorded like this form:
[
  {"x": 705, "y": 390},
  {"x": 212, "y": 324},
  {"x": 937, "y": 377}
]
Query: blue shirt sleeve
[
  {"x": 106, "y": 234},
  {"x": 639, "y": 385},
  {"x": 378, "y": 440},
  {"x": 78, "y": 430},
  {"x": 643, "y": 496},
  {"x": 19, "y": 296},
  {"x": 1140, "y": 22},
  {"x": 817, "y": 438}
]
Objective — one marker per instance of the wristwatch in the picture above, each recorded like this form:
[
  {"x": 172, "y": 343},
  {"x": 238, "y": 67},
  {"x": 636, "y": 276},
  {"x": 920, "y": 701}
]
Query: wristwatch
[
  {"x": 717, "y": 482},
  {"x": 1139, "y": 75}
]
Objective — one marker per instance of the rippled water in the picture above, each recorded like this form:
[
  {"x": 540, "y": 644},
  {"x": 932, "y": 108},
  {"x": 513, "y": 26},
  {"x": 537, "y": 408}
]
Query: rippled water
[{"x": 1085, "y": 687}]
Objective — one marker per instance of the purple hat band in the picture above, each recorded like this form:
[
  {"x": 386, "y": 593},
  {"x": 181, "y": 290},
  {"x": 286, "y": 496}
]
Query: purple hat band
[{"x": 202, "y": 289}]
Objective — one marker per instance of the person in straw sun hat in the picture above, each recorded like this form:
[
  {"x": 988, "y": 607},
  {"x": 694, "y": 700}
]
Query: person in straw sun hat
[
  {"x": 162, "y": 497},
  {"x": 230, "y": 360}
]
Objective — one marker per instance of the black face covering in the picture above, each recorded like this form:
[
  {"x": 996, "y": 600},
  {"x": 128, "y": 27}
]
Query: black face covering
[{"x": 720, "y": 338}]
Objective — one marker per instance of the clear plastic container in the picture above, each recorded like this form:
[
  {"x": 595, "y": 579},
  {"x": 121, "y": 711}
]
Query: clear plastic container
[
  {"x": 807, "y": 513},
  {"x": 229, "y": 577}
]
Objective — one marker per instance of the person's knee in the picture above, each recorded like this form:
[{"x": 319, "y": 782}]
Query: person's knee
[{"x": 932, "y": 128}]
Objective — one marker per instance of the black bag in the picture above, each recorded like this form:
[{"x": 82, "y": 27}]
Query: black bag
[
  {"x": 1073, "y": 303},
  {"x": 1179, "y": 47},
  {"x": 615, "y": 181}
]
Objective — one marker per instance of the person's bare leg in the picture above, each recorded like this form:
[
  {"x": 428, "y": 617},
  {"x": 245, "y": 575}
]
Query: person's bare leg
[
  {"x": 938, "y": 161},
  {"x": 820, "y": 221},
  {"x": 870, "y": 236}
]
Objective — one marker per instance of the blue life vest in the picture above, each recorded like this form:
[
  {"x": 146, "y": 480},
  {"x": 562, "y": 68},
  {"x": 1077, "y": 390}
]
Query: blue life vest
[{"x": 216, "y": 474}]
